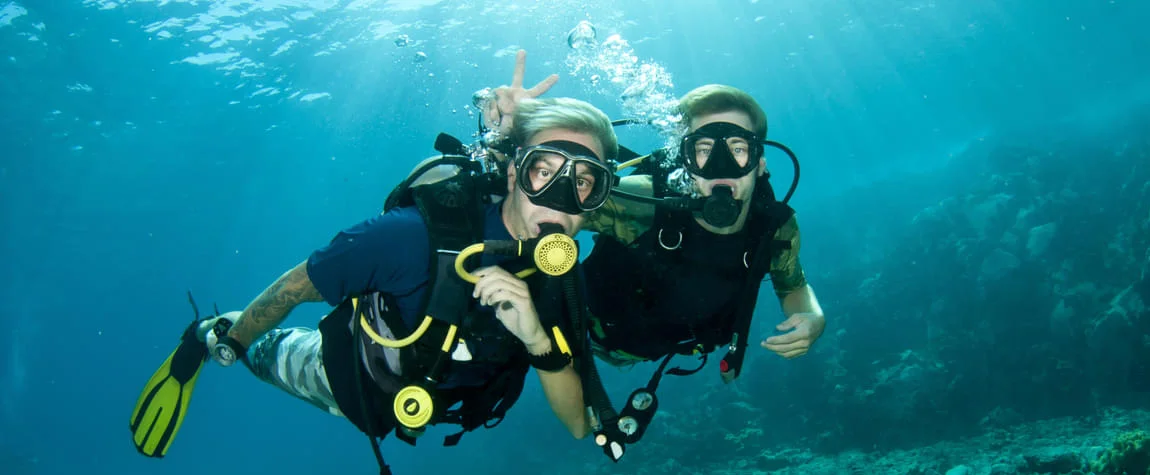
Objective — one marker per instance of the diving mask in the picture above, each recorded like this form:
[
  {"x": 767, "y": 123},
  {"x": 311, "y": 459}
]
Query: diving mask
[
  {"x": 564, "y": 176},
  {"x": 721, "y": 150}
]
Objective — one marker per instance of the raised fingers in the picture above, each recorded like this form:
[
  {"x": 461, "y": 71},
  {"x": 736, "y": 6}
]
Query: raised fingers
[
  {"x": 543, "y": 86},
  {"x": 520, "y": 68}
]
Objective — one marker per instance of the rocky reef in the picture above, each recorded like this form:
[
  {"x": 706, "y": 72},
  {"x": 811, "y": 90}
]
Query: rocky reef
[{"x": 1130, "y": 455}]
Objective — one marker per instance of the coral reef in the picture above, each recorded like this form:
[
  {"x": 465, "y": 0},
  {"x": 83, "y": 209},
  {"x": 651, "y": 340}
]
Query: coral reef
[{"x": 1130, "y": 455}]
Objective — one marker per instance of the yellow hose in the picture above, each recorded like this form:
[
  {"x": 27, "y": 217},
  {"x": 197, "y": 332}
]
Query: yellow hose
[
  {"x": 632, "y": 162},
  {"x": 426, "y": 323},
  {"x": 476, "y": 249},
  {"x": 423, "y": 326},
  {"x": 462, "y": 258}
]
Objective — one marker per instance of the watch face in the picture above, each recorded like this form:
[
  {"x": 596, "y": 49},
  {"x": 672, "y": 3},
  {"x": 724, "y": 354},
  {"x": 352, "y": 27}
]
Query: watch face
[{"x": 225, "y": 355}]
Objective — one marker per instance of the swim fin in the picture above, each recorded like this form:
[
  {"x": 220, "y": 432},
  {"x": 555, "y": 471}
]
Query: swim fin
[{"x": 161, "y": 407}]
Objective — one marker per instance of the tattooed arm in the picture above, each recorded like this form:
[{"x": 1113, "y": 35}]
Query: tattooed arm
[
  {"x": 805, "y": 319},
  {"x": 272, "y": 306}
]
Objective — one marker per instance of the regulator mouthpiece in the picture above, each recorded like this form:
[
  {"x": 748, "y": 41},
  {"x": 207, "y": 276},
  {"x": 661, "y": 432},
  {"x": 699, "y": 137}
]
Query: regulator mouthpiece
[{"x": 721, "y": 209}]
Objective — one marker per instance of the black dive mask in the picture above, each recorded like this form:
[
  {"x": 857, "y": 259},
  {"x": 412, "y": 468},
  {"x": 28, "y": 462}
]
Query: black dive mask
[
  {"x": 721, "y": 150},
  {"x": 721, "y": 209},
  {"x": 564, "y": 176}
]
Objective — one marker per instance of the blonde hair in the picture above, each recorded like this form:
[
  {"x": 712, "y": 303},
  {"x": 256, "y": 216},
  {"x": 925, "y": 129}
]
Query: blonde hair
[
  {"x": 717, "y": 98},
  {"x": 533, "y": 116}
]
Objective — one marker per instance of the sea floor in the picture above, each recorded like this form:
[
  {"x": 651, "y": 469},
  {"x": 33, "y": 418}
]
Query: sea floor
[{"x": 1061, "y": 445}]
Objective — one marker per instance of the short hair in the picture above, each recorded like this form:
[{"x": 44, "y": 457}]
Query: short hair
[
  {"x": 717, "y": 98},
  {"x": 533, "y": 116}
]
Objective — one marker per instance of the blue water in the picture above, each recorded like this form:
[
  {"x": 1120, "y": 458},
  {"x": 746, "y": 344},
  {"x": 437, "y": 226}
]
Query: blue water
[{"x": 149, "y": 147}]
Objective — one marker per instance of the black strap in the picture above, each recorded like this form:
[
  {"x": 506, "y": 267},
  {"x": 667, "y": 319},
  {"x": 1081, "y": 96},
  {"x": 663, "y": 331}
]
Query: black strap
[
  {"x": 653, "y": 383},
  {"x": 368, "y": 420},
  {"x": 732, "y": 363},
  {"x": 453, "y": 212},
  {"x": 491, "y": 403},
  {"x": 770, "y": 220},
  {"x": 551, "y": 361}
]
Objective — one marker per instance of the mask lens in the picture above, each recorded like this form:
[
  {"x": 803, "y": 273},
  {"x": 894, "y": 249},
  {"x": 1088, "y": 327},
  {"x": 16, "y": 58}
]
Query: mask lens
[
  {"x": 592, "y": 183},
  {"x": 738, "y": 147},
  {"x": 699, "y": 150},
  {"x": 543, "y": 168}
]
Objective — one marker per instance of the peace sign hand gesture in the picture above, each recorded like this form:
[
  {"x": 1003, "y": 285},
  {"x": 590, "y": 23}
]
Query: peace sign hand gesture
[{"x": 501, "y": 108}]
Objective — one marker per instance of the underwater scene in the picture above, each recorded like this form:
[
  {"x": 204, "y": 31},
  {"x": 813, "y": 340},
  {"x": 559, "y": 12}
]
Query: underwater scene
[{"x": 563, "y": 237}]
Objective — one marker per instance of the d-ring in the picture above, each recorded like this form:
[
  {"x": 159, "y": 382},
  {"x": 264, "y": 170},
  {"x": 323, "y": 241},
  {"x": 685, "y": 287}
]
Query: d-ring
[
  {"x": 745, "y": 260},
  {"x": 677, "y": 243}
]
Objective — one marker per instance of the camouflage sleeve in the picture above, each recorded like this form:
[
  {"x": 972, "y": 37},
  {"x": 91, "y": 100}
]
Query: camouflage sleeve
[
  {"x": 621, "y": 218},
  {"x": 786, "y": 272}
]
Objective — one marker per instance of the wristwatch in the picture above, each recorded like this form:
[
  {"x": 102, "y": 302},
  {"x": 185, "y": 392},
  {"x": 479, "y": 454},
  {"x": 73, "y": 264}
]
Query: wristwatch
[
  {"x": 225, "y": 349},
  {"x": 551, "y": 361}
]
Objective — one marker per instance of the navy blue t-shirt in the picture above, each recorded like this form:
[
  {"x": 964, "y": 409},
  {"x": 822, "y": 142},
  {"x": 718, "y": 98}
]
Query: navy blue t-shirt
[{"x": 390, "y": 254}]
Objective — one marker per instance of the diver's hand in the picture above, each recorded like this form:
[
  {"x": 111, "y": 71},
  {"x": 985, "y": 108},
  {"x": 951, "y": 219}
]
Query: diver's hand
[
  {"x": 513, "y": 306},
  {"x": 501, "y": 108},
  {"x": 804, "y": 329}
]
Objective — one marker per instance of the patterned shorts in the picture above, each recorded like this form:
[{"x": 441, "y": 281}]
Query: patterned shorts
[{"x": 292, "y": 360}]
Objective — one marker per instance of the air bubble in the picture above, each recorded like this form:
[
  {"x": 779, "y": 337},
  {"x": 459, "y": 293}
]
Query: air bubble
[{"x": 582, "y": 35}]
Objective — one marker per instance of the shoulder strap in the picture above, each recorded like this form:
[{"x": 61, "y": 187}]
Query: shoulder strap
[
  {"x": 766, "y": 219},
  {"x": 454, "y": 216},
  {"x": 453, "y": 212}
]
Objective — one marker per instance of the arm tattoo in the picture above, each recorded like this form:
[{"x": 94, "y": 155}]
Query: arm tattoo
[
  {"x": 786, "y": 271},
  {"x": 272, "y": 306}
]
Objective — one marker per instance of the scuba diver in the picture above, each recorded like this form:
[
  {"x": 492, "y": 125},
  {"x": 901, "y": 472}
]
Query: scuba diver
[
  {"x": 414, "y": 331},
  {"x": 682, "y": 249}
]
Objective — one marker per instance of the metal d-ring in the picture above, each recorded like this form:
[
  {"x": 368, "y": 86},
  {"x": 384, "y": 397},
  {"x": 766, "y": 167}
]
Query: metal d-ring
[
  {"x": 745, "y": 264},
  {"x": 677, "y": 243}
]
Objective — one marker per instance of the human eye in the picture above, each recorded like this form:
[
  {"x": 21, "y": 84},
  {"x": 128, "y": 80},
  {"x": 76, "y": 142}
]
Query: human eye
[
  {"x": 542, "y": 171},
  {"x": 704, "y": 146}
]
